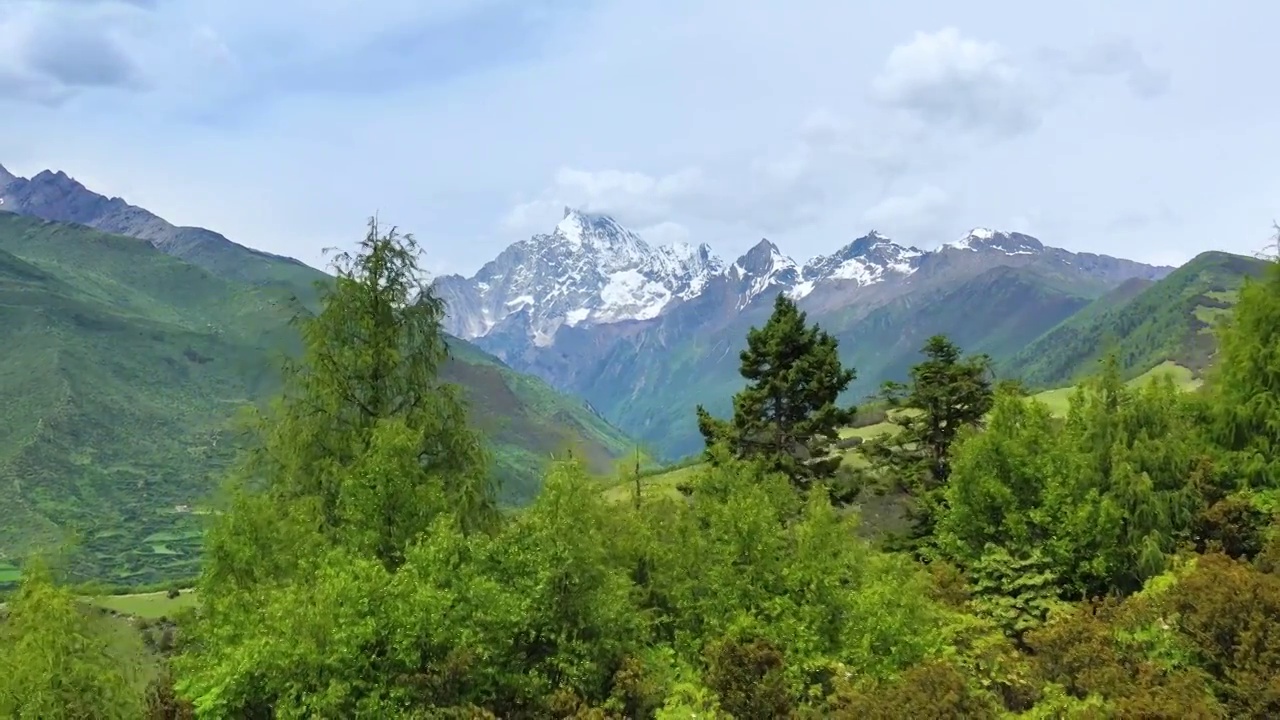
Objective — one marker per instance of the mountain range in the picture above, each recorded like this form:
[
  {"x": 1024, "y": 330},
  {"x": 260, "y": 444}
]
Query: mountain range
[
  {"x": 127, "y": 345},
  {"x": 646, "y": 332}
]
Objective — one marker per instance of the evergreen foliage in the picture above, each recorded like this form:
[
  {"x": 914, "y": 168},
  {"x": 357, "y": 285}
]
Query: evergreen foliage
[
  {"x": 1120, "y": 561},
  {"x": 1247, "y": 378},
  {"x": 788, "y": 413},
  {"x": 947, "y": 394}
]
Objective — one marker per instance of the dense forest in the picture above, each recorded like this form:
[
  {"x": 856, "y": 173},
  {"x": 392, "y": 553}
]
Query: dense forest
[{"x": 1120, "y": 561}]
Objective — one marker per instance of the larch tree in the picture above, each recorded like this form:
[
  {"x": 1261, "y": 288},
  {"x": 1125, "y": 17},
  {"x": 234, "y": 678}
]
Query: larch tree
[
  {"x": 60, "y": 659},
  {"x": 788, "y": 414},
  {"x": 365, "y": 434},
  {"x": 364, "y": 456}
]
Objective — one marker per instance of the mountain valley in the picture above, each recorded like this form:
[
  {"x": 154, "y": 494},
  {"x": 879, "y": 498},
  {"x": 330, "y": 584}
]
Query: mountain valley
[
  {"x": 124, "y": 361},
  {"x": 116, "y": 313},
  {"x": 646, "y": 333}
]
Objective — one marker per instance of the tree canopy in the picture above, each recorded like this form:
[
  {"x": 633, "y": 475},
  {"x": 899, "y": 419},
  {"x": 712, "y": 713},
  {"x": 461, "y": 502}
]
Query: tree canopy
[
  {"x": 788, "y": 413},
  {"x": 947, "y": 393},
  {"x": 1120, "y": 558}
]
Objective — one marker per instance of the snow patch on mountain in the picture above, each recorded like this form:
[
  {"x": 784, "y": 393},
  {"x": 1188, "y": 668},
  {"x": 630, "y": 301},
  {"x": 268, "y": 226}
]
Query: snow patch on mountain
[
  {"x": 591, "y": 270},
  {"x": 762, "y": 268},
  {"x": 1008, "y": 243},
  {"x": 868, "y": 260},
  {"x": 588, "y": 269}
]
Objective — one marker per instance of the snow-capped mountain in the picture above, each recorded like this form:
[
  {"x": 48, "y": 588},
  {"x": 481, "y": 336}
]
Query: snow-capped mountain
[
  {"x": 591, "y": 271},
  {"x": 588, "y": 270},
  {"x": 871, "y": 259},
  {"x": 1009, "y": 243},
  {"x": 762, "y": 268}
]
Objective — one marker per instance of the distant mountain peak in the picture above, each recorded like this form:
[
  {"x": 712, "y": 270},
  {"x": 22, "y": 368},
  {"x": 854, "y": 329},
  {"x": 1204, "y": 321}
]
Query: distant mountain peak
[
  {"x": 867, "y": 260},
  {"x": 589, "y": 269},
  {"x": 867, "y": 244},
  {"x": 1009, "y": 243},
  {"x": 599, "y": 231},
  {"x": 57, "y": 177},
  {"x": 761, "y": 268},
  {"x": 764, "y": 258},
  {"x": 59, "y": 197}
]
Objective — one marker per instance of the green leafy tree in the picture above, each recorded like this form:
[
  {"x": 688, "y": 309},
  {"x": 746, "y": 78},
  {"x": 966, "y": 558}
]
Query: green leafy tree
[
  {"x": 1099, "y": 502},
  {"x": 787, "y": 414},
  {"x": 1133, "y": 489},
  {"x": 998, "y": 481},
  {"x": 947, "y": 393},
  {"x": 60, "y": 660}
]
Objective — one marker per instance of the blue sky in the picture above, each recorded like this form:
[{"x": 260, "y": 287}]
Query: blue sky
[{"x": 1145, "y": 129}]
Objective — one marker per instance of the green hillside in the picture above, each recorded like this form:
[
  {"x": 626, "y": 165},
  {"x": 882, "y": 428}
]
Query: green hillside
[
  {"x": 1168, "y": 321},
  {"x": 121, "y": 369},
  {"x": 997, "y": 312}
]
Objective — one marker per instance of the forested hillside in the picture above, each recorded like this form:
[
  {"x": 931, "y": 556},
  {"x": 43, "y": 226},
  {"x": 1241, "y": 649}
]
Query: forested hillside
[
  {"x": 122, "y": 370},
  {"x": 1122, "y": 560},
  {"x": 1142, "y": 324}
]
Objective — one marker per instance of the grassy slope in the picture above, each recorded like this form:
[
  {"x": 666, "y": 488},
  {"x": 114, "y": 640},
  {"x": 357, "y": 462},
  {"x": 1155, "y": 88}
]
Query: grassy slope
[
  {"x": 1169, "y": 321},
  {"x": 151, "y": 606},
  {"x": 120, "y": 369}
]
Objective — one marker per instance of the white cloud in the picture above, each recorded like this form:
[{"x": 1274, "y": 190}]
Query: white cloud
[
  {"x": 633, "y": 197},
  {"x": 665, "y": 233},
  {"x": 1116, "y": 57},
  {"x": 945, "y": 78},
  {"x": 910, "y": 216},
  {"x": 288, "y": 122},
  {"x": 943, "y": 81},
  {"x": 769, "y": 190},
  {"x": 50, "y": 52}
]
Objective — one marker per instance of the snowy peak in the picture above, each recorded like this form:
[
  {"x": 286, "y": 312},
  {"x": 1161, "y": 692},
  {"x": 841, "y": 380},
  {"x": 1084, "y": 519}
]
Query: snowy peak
[
  {"x": 6, "y": 177},
  {"x": 589, "y": 269},
  {"x": 599, "y": 234},
  {"x": 764, "y": 259},
  {"x": 1008, "y": 243},
  {"x": 697, "y": 264},
  {"x": 762, "y": 268},
  {"x": 870, "y": 259}
]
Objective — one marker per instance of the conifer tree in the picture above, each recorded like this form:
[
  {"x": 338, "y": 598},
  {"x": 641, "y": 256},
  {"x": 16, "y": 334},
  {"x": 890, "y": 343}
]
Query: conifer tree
[
  {"x": 787, "y": 414},
  {"x": 365, "y": 433},
  {"x": 1246, "y": 379},
  {"x": 947, "y": 392}
]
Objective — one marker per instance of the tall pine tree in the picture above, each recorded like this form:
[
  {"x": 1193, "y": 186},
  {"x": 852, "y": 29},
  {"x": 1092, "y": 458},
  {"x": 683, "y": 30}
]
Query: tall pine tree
[
  {"x": 947, "y": 393},
  {"x": 787, "y": 414}
]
